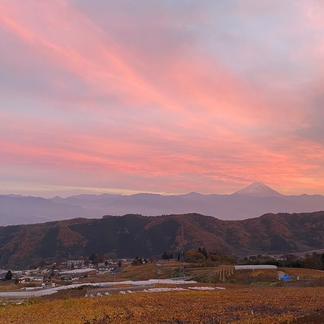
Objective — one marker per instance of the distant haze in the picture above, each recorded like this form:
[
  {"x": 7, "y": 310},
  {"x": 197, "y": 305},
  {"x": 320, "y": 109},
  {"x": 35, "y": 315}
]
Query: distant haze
[{"x": 252, "y": 201}]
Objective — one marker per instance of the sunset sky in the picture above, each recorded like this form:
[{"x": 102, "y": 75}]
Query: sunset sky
[{"x": 161, "y": 96}]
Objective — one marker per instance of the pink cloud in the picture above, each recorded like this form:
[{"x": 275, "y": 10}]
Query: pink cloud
[{"x": 179, "y": 120}]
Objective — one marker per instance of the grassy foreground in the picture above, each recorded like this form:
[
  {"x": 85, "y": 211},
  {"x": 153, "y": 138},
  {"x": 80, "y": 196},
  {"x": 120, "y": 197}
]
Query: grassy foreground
[{"x": 244, "y": 305}]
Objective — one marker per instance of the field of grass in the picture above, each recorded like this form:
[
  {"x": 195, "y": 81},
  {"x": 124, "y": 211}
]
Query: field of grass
[{"x": 244, "y": 305}]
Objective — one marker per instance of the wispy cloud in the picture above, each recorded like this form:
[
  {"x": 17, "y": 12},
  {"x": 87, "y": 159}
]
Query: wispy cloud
[{"x": 162, "y": 96}]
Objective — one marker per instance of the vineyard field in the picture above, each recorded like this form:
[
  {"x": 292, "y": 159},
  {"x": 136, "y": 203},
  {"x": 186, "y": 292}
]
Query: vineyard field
[{"x": 241, "y": 304}]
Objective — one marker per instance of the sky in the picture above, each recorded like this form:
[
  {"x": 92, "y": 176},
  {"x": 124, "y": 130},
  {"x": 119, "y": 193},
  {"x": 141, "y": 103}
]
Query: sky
[{"x": 167, "y": 96}]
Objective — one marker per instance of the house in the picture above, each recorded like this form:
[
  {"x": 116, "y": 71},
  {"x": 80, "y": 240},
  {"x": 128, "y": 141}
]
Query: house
[{"x": 72, "y": 264}]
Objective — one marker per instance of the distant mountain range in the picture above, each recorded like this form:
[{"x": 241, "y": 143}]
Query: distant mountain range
[
  {"x": 134, "y": 235},
  {"x": 252, "y": 201}
]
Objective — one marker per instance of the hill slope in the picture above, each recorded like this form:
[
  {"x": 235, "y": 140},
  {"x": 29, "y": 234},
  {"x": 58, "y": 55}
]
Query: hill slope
[{"x": 134, "y": 235}]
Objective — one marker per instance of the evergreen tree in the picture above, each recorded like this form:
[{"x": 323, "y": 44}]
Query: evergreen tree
[{"x": 8, "y": 275}]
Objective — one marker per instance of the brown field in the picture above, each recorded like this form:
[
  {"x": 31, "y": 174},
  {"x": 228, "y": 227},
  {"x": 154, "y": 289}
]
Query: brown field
[
  {"x": 208, "y": 274},
  {"x": 7, "y": 286},
  {"x": 305, "y": 274},
  {"x": 157, "y": 270},
  {"x": 250, "y": 297},
  {"x": 244, "y": 305},
  {"x": 11, "y": 286}
]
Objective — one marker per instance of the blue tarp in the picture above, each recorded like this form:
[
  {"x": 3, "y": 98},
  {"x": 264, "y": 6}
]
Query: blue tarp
[{"x": 286, "y": 278}]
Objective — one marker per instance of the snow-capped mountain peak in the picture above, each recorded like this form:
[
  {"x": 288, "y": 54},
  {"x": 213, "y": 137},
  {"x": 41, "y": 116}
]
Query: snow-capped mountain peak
[{"x": 258, "y": 189}]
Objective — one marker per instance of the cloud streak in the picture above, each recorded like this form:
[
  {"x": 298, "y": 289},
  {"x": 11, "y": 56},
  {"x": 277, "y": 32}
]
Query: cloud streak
[{"x": 165, "y": 97}]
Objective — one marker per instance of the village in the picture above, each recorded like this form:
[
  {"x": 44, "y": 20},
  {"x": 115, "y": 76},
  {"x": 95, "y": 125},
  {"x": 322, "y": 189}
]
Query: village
[
  {"x": 105, "y": 269},
  {"x": 63, "y": 273},
  {"x": 107, "y": 272}
]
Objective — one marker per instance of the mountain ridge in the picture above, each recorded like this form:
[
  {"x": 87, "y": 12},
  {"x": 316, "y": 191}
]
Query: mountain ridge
[
  {"x": 135, "y": 235},
  {"x": 251, "y": 201}
]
